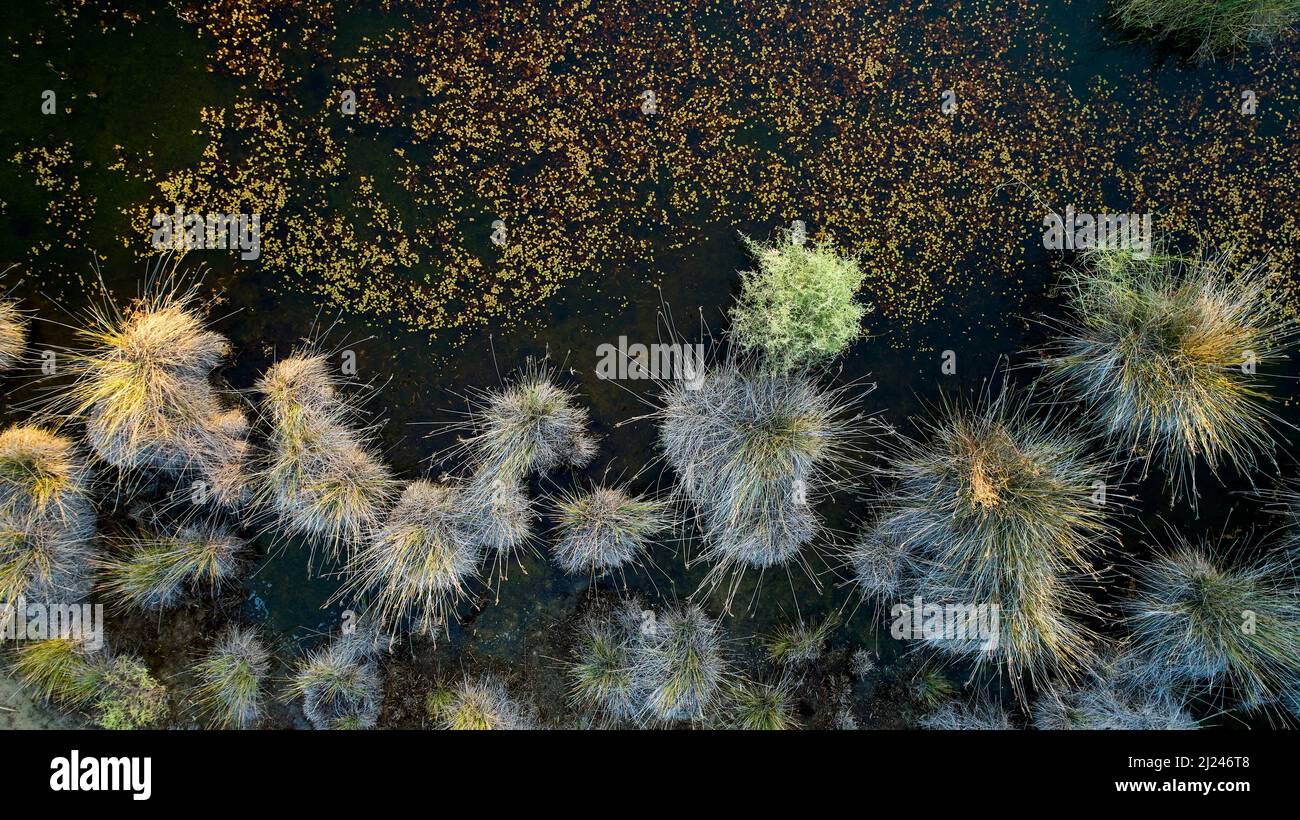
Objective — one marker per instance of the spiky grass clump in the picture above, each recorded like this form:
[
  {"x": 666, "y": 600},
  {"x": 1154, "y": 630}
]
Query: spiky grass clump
[
  {"x": 798, "y": 308},
  {"x": 498, "y": 513},
  {"x": 800, "y": 643},
  {"x": 62, "y": 670},
  {"x": 322, "y": 477},
  {"x": 1199, "y": 622},
  {"x": 763, "y": 707},
  {"x": 340, "y": 685},
  {"x": 1102, "y": 704},
  {"x": 1166, "y": 351},
  {"x": 602, "y": 675},
  {"x": 882, "y": 557},
  {"x": 478, "y": 704},
  {"x": 679, "y": 664},
  {"x": 605, "y": 529},
  {"x": 420, "y": 563},
  {"x": 1213, "y": 26},
  {"x": 954, "y": 716},
  {"x": 156, "y": 572},
  {"x": 753, "y": 453},
  {"x": 998, "y": 509},
  {"x": 47, "y": 523},
  {"x": 932, "y": 689},
  {"x": 13, "y": 334},
  {"x": 232, "y": 678},
  {"x": 141, "y": 380},
  {"x": 530, "y": 426}
]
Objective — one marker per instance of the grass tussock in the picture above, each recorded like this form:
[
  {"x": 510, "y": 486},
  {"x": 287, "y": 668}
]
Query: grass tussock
[
  {"x": 1169, "y": 353},
  {"x": 420, "y": 564},
  {"x": 800, "y": 643},
  {"x": 761, "y": 707},
  {"x": 995, "y": 508},
  {"x": 232, "y": 679},
  {"x": 1212, "y": 27},
  {"x": 47, "y": 521},
  {"x": 530, "y": 426},
  {"x": 118, "y": 691},
  {"x": 321, "y": 477},
  {"x": 753, "y": 454},
  {"x": 157, "y": 572},
  {"x": 605, "y": 529},
  {"x": 1202, "y": 624},
  {"x": 478, "y": 704},
  {"x": 14, "y": 327},
  {"x": 340, "y": 684}
]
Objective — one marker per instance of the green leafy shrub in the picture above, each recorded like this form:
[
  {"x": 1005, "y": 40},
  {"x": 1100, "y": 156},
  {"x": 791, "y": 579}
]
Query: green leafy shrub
[{"x": 797, "y": 308}]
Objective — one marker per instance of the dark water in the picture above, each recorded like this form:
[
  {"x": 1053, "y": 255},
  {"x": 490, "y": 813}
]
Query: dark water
[{"x": 151, "y": 82}]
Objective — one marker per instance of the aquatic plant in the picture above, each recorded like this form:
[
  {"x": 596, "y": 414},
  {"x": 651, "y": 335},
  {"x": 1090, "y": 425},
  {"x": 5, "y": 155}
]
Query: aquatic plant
[
  {"x": 47, "y": 522},
  {"x": 480, "y": 703},
  {"x": 1212, "y": 26},
  {"x": 679, "y": 664},
  {"x": 757, "y": 706},
  {"x": 232, "y": 676},
  {"x": 419, "y": 564},
  {"x": 321, "y": 476},
  {"x": 1165, "y": 352},
  {"x": 529, "y": 426},
  {"x": 604, "y": 529},
  {"x": 340, "y": 684},
  {"x": 798, "y": 307},
  {"x": 13, "y": 334},
  {"x": 955, "y": 716},
  {"x": 128, "y": 696},
  {"x": 998, "y": 509},
  {"x": 752, "y": 453},
  {"x": 1200, "y": 622},
  {"x": 800, "y": 643},
  {"x": 156, "y": 571},
  {"x": 602, "y": 675}
]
